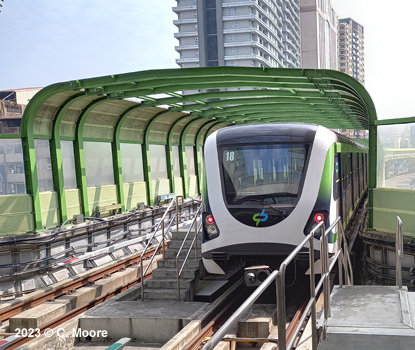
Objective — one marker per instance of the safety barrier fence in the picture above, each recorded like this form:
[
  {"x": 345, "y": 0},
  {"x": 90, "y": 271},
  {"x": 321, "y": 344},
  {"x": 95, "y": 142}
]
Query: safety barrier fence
[
  {"x": 89, "y": 245},
  {"x": 341, "y": 256}
]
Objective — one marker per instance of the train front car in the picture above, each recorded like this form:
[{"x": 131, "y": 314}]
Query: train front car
[{"x": 267, "y": 185}]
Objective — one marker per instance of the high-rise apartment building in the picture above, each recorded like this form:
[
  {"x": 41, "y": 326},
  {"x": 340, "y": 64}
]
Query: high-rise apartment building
[
  {"x": 318, "y": 22},
  {"x": 255, "y": 33},
  {"x": 351, "y": 46},
  {"x": 351, "y": 58}
]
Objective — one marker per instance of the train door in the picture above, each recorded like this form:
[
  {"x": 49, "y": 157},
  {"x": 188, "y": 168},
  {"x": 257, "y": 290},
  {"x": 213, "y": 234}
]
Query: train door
[
  {"x": 347, "y": 196},
  {"x": 337, "y": 183},
  {"x": 355, "y": 178},
  {"x": 361, "y": 174}
]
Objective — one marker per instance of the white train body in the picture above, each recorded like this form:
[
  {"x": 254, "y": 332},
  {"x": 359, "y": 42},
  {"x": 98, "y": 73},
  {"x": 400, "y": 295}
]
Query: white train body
[{"x": 267, "y": 185}]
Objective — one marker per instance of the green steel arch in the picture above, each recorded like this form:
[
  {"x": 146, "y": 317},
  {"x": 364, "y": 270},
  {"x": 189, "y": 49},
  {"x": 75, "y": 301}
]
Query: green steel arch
[{"x": 176, "y": 108}]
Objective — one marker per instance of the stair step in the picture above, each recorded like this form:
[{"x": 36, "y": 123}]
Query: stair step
[
  {"x": 175, "y": 245},
  {"x": 169, "y": 283},
  {"x": 179, "y": 235},
  {"x": 169, "y": 273},
  {"x": 171, "y": 254},
  {"x": 171, "y": 263},
  {"x": 163, "y": 294}
]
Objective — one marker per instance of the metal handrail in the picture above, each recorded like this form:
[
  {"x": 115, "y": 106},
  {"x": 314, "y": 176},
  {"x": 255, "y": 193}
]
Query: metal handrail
[
  {"x": 149, "y": 243},
  {"x": 346, "y": 255},
  {"x": 178, "y": 269},
  {"x": 279, "y": 277},
  {"x": 399, "y": 252},
  {"x": 164, "y": 231}
]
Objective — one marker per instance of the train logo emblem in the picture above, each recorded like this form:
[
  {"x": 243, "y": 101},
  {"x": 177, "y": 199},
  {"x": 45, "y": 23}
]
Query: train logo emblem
[{"x": 257, "y": 219}]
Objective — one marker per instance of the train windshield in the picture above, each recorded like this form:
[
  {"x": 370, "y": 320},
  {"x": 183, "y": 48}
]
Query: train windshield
[{"x": 264, "y": 175}]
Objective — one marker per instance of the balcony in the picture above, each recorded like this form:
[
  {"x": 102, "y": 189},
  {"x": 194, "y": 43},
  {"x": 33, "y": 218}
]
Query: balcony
[
  {"x": 178, "y": 9},
  {"x": 187, "y": 60},
  {"x": 178, "y": 22},
  {"x": 9, "y": 129},
  {"x": 10, "y": 109},
  {"x": 187, "y": 47},
  {"x": 240, "y": 57},
  {"x": 185, "y": 34}
]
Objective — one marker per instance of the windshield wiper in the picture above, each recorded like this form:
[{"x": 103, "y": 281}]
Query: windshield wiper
[{"x": 278, "y": 210}]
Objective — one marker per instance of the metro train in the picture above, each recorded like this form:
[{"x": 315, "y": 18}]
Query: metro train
[{"x": 267, "y": 185}]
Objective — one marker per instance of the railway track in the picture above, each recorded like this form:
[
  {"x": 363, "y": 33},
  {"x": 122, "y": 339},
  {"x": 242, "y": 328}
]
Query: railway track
[
  {"x": 217, "y": 321},
  {"x": 69, "y": 288},
  {"x": 296, "y": 309}
]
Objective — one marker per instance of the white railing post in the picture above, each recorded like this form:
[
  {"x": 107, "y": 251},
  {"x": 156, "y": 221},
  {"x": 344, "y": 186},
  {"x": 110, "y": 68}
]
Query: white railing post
[
  {"x": 339, "y": 248},
  {"x": 399, "y": 252},
  {"x": 312, "y": 294},
  {"x": 280, "y": 281}
]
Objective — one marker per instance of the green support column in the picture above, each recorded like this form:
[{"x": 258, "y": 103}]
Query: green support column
[
  {"x": 183, "y": 170},
  {"x": 57, "y": 166},
  {"x": 32, "y": 186},
  {"x": 199, "y": 156},
  {"x": 29, "y": 154},
  {"x": 146, "y": 153},
  {"x": 116, "y": 155},
  {"x": 183, "y": 161},
  {"x": 117, "y": 166},
  {"x": 80, "y": 157},
  {"x": 195, "y": 152},
  {"x": 147, "y": 172},
  {"x": 170, "y": 168},
  {"x": 372, "y": 170},
  {"x": 170, "y": 145}
]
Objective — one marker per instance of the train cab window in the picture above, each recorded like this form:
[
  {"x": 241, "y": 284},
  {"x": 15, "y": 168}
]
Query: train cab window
[{"x": 263, "y": 174}]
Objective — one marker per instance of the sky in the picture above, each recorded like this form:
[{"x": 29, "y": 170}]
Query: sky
[{"x": 49, "y": 41}]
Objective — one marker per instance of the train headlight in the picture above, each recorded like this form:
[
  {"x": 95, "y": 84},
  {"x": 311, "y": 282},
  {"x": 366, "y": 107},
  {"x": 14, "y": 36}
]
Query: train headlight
[
  {"x": 318, "y": 217},
  {"x": 210, "y": 226},
  {"x": 315, "y": 218}
]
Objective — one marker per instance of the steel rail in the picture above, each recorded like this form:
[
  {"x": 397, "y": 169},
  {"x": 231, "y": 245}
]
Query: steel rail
[
  {"x": 73, "y": 313},
  {"x": 67, "y": 287},
  {"x": 296, "y": 322},
  {"x": 209, "y": 330},
  {"x": 217, "y": 320}
]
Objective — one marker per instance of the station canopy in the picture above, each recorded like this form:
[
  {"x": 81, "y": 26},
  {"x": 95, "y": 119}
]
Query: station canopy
[{"x": 223, "y": 95}]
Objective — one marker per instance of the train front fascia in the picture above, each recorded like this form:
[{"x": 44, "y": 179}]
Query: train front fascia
[{"x": 237, "y": 238}]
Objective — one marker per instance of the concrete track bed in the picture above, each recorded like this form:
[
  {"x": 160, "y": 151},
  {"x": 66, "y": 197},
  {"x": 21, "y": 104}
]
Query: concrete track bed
[{"x": 158, "y": 324}]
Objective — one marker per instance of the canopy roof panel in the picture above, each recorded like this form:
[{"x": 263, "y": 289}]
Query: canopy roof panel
[{"x": 228, "y": 95}]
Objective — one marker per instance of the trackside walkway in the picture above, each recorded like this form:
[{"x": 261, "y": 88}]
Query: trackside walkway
[{"x": 370, "y": 318}]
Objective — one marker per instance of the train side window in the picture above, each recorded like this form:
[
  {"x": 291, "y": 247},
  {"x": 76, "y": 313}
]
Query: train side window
[
  {"x": 336, "y": 177},
  {"x": 343, "y": 171},
  {"x": 349, "y": 170}
]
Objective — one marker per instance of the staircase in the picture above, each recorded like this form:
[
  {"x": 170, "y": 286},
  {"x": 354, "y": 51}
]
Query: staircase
[{"x": 163, "y": 284}]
